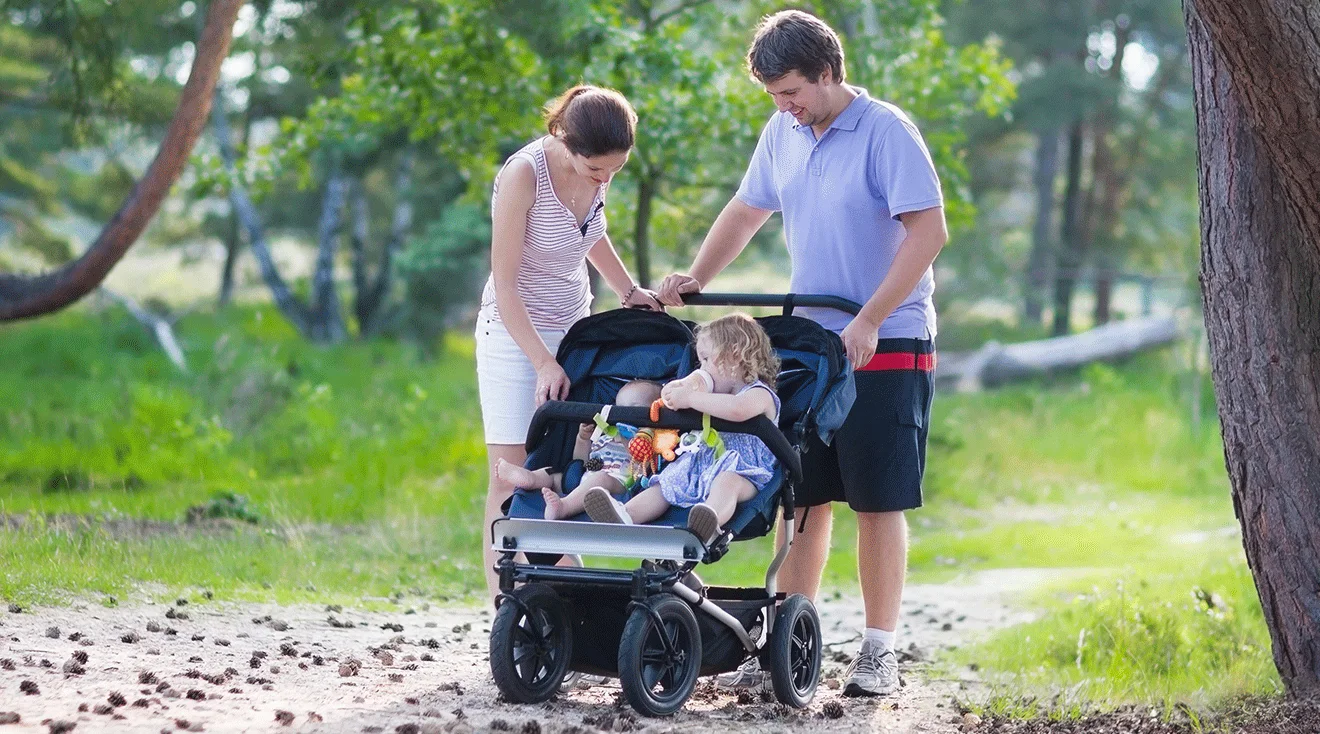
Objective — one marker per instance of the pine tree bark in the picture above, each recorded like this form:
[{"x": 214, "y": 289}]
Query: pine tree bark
[
  {"x": 1042, "y": 233},
  {"x": 28, "y": 296},
  {"x": 1072, "y": 247},
  {"x": 1258, "y": 130}
]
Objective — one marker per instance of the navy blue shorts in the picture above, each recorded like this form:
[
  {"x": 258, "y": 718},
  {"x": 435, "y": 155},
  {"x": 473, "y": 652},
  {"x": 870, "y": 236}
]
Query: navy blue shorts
[{"x": 878, "y": 456}]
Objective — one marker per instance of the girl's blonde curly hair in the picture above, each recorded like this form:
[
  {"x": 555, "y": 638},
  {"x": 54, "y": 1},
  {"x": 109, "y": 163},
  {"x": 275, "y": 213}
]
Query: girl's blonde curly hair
[{"x": 739, "y": 341}]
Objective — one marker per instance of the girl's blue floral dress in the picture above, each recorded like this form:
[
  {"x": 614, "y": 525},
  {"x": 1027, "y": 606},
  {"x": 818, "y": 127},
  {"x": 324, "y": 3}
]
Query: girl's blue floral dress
[{"x": 687, "y": 481}]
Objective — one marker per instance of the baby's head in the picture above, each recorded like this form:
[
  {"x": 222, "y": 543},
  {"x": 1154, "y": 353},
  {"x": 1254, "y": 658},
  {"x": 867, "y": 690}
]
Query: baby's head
[
  {"x": 737, "y": 347},
  {"x": 637, "y": 394}
]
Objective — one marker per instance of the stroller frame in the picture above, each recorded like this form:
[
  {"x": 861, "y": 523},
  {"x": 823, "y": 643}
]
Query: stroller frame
[{"x": 538, "y": 617}]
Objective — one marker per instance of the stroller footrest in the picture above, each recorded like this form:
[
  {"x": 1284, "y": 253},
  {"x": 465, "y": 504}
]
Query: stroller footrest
[{"x": 651, "y": 542}]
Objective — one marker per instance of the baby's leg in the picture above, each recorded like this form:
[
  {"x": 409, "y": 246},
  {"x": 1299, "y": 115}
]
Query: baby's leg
[
  {"x": 521, "y": 477},
  {"x": 558, "y": 508},
  {"x": 726, "y": 492},
  {"x": 649, "y": 505}
]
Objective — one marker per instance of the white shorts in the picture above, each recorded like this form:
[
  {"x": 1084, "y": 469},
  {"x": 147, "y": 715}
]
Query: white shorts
[{"x": 506, "y": 380}]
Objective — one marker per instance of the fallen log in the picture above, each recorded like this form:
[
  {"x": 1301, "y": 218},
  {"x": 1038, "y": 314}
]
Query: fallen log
[
  {"x": 995, "y": 364},
  {"x": 159, "y": 327}
]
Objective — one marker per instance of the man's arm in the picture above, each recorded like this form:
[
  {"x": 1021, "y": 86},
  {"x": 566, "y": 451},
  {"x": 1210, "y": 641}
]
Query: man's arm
[
  {"x": 926, "y": 235},
  {"x": 732, "y": 230}
]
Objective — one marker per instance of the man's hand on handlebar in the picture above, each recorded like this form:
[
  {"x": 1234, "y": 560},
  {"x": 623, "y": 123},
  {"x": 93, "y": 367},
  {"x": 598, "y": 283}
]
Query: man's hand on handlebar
[{"x": 675, "y": 287}]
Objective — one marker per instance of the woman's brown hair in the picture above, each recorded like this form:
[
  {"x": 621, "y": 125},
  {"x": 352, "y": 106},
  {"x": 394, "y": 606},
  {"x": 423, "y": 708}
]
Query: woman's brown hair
[{"x": 592, "y": 121}]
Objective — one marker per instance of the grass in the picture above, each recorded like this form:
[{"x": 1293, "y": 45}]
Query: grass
[{"x": 364, "y": 467}]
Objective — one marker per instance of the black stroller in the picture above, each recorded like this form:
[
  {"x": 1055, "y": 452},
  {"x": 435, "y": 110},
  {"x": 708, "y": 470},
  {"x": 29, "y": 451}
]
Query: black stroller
[{"x": 646, "y": 626}]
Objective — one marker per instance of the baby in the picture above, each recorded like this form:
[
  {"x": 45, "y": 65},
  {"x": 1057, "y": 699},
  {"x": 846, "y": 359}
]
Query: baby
[
  {"x": 736, "y": 382},
  {"x": 592, "y": 447}
]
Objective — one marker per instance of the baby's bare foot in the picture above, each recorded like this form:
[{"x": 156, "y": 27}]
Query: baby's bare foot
[
  {"x": 514, "y": 474},
  {"x": 554, "y": 504}
]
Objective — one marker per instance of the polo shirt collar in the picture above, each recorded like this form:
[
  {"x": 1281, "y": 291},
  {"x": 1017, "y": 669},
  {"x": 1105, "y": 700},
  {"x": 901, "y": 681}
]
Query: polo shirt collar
[{"x": 846, "y": 120}]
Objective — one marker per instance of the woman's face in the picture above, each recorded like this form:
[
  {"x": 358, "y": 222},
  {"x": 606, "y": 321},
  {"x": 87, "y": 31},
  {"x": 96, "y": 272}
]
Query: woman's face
[{"x": 599, "y": 169}]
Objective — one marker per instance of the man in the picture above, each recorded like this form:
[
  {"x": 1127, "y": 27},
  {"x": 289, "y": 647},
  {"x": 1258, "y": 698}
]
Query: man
[{"x": 863, "y": 219}]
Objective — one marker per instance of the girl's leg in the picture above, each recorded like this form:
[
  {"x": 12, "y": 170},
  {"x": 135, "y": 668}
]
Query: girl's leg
[
  {"x": 649, "y": 505},
  {"x": 558, "y": 508},
  {"x": 517, "y": 476},
  {"x": 726, "y": 492}
]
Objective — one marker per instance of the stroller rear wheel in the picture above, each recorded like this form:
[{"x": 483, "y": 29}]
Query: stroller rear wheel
[
  {"x": 792, "y": 654},
  {"x": 659, "y": 655},
  {"x": 531, "y": 644}
]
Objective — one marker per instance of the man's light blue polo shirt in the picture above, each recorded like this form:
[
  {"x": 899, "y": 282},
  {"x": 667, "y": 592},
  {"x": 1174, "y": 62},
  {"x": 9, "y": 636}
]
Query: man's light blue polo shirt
[{"x": 841, "y": 196}]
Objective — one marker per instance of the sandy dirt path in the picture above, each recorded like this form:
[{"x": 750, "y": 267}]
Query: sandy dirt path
[{"x": 223, "y": 667}]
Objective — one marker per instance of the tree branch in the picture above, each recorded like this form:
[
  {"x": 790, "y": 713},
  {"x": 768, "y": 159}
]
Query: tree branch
[{"x": 27, "y": 296}]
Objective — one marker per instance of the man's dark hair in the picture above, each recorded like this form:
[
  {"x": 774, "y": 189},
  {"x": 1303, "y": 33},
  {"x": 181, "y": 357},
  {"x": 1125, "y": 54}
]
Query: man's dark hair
[{"x": 792, "y": 40}]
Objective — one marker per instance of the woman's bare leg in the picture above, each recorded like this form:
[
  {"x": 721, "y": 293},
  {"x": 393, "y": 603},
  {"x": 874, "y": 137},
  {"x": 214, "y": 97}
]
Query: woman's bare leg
[{"x": 497, "y": 491}]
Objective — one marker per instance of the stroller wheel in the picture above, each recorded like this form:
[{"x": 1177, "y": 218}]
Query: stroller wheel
[
  {"x": 792, "y": 654},
  {"x": 659, "y": 655},
  {"x": 531, "y": 644}
]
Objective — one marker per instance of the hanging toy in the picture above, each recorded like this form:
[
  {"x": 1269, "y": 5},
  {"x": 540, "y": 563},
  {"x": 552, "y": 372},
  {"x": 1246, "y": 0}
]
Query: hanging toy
[
  {"x": 655, "y": 409},
  {"x": 711, "y": 437},
  {"x": 666, "y": 442},
  {"x": 641, "y": 447},
  {"x": 688, "y": 443}
]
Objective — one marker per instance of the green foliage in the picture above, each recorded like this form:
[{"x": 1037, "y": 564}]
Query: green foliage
[
  {"x": 1159, "y": 638},
  {"x": 224, "y": 506},
  {"x": 442, "y": 269}
]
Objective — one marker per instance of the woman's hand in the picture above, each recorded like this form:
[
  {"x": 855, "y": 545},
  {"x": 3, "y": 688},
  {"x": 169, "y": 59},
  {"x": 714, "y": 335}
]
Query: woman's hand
[
  {"x": 642, "y": 298},
  {"x": 552, "y": 383}
]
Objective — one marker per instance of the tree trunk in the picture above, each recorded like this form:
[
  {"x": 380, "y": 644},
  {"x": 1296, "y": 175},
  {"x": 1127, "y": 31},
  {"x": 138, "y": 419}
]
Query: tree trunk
[
  {"x": 1072, "y": 248},
  {"x": 27, "y": 296},
  {"x": 327, "y": 322},
  {"x": 359, "y": 229},
  {"x": 1047, "y": 169},
  {"x": 1108, "y": 181},
  {"x": 1258, "y": 133},
  {"x": 646, "y": 191},
  {"x": 233, "y": 241},
  {"x": 246, "y": 213},
  {"x": 371, "y": 304}
]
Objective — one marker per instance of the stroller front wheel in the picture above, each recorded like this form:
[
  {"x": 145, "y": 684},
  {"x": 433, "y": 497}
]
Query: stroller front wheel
[
  {"x": 792, "y": 653},
  {"x": 531, "y": 644},
  {"x": 659, "y": 655}
]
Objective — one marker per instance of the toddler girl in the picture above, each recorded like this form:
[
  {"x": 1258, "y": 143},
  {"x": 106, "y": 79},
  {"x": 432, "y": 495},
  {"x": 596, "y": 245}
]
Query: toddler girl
[{"x": 735, "y": 382}]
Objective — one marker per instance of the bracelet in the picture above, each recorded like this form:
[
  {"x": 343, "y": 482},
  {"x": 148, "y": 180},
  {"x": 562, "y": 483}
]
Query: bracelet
[{"x": 624, "y": 301}]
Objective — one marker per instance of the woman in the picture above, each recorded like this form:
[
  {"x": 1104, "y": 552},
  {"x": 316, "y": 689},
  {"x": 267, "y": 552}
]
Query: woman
[{"x": 548, "y": 220}]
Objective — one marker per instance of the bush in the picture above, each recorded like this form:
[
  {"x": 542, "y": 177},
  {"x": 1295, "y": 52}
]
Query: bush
[{"x": 441, "y": 270}]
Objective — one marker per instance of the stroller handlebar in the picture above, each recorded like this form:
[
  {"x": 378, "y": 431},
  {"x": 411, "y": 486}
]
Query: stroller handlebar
[
  {"x": 788, "y": 301},
  {"x": 681, "y": 420}
]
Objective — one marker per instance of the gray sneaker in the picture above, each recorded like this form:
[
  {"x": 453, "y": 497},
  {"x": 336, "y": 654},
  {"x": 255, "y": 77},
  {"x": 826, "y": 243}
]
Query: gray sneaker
[
  {"x": 874, "y": 672},
  {"x": 748, "y": 676}
]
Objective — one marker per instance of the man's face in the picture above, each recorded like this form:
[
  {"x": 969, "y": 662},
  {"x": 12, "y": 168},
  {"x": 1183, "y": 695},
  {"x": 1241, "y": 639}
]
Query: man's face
[{"x": 803, "y": 99}]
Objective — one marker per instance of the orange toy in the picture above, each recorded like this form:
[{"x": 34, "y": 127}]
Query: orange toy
[
  {"x": 666, "y": 441},
  {"x": 655, "y": 411}
]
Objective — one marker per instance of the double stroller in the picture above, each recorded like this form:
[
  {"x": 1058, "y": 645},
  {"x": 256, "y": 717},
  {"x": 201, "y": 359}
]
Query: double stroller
[{"x": 654, "y": 627}]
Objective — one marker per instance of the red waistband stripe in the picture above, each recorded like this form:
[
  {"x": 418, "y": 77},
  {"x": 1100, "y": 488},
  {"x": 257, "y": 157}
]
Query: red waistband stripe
[{"x": 899, "y": 361}]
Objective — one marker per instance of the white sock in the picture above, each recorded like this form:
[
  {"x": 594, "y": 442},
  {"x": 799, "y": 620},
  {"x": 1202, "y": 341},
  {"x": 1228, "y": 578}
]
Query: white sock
[
  {"x": 884, "y": 638},
  {"x": 623, "y": 512}
]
